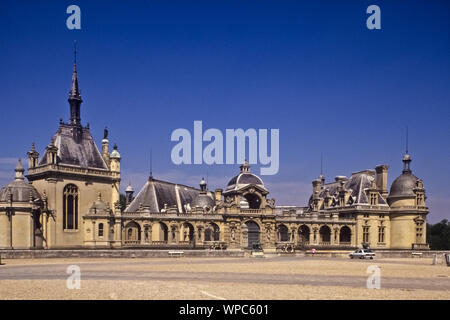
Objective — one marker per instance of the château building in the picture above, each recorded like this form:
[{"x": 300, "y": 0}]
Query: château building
[{"x": 71, "y": 200}]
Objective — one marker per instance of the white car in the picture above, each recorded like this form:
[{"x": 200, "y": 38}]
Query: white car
[{"x": 362, "y": 254}]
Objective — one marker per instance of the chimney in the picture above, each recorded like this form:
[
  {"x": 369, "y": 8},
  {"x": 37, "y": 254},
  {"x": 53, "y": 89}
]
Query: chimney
[
  {"x": 218, "y": 193},
  {"x": 317, "y": 186},
  {"x": 381, "y": 179}
]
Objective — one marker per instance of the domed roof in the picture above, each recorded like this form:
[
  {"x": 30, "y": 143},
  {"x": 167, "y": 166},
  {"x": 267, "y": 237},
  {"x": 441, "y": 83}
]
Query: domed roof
[
  {"x": 99, "y": 207},
  {"x": 129, "y": 188},
  {"x": 244, "y": 178},
  {"x": 20, "y": 190},
  {"x": 115, "y": 154},
  {"x": 203, "y": 199},
  {"x": 404, "y": 185}
]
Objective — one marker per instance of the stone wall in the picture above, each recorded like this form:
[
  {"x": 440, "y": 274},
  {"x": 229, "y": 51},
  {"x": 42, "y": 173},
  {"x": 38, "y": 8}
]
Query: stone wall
[{"x": 39, "y": 254}]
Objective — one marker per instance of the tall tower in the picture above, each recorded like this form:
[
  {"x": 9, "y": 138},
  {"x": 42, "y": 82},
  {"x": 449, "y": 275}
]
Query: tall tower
[{"x": 408, "y": 210}]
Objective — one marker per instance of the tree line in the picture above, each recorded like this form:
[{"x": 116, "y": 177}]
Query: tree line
[{"x": 438, "y": 235}]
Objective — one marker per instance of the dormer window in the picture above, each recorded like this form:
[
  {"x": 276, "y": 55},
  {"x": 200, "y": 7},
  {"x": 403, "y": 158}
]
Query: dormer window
[{"x": 373, "y": 199}]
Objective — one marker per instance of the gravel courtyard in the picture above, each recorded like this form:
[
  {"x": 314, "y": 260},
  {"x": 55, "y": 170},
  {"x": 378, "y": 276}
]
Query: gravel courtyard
[{"x": 224, "y": 278}]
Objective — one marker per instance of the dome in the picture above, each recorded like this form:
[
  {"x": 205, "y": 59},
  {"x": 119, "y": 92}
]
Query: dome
[
  {"x": 19, "y": 189},
  {"x": 115, "y": 154},
  {"x": 129, "y": 188},
  {"x": 244, "y": 178},
  {"x": 203, "y": 199},
  {"x": 404, "y": 185},
  {"x": 99, "y": 206}
]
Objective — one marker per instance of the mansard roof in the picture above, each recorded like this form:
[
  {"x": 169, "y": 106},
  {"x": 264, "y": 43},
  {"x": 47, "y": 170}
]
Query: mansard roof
[
  {"x": 81, "y": 152},
  {"x": 157, "y": 193},
  {"x": 358, "y": 183}
]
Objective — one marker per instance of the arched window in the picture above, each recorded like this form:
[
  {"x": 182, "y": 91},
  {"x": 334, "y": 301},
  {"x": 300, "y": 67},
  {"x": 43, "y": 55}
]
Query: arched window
[
  {"x": 283, "y": 233},
  {"x": 212, "y": 232},
  {"x": 325, "y": 234},
  {"x": 70, "y": 207},
  {"x": 345, "y": 235},
  {"x": 100, "y": 229}
]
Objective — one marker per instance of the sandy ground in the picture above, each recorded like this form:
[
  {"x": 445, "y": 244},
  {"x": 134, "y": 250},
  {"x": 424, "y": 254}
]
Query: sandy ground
[{"x": 224, "y": 278}]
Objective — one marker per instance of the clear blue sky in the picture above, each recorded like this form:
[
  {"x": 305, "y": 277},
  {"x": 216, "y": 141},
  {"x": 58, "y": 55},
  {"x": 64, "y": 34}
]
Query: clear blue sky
[{"x": 310, "y": 68}]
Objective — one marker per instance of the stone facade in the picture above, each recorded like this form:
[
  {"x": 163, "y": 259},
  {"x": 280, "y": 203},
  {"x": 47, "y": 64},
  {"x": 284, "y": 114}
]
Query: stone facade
[{"x": 72, "y": 200}]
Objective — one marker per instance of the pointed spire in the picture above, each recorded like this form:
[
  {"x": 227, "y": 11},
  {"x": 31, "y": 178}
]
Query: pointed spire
[
  {"x": 151, "y": 165},
  {"x": 74, "y": 94},
  {"x": 19, "y": 170},
  {"x": 406, "y": 139},
  {"x": 406, "y": 158}
]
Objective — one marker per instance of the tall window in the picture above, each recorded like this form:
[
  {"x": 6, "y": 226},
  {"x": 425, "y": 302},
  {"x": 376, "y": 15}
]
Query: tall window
[
  {"x": 70, "y": 207},
  {"x": 420, "y": 199},
  {"x": 381, "y": 234},
  {"x": 419, "y": 232},
  {"x": 100, "y": 229},
  {"x": 365, "y": 234}
]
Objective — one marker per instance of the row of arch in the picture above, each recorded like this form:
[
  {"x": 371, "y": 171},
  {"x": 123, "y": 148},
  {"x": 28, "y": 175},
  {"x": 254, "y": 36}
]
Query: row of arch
[
  {"x": 186, "y": 233},
  {"x": 163, "y": 233},
  {"x": 325, "y": 233}
]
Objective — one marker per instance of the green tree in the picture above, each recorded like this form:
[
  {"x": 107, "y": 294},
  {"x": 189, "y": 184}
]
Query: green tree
[
  {"x": 123, "y": 202},
  {"x": 438, "y": 235}
]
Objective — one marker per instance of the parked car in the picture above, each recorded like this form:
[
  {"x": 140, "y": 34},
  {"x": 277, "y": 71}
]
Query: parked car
[{"x": 362, "y": 254}]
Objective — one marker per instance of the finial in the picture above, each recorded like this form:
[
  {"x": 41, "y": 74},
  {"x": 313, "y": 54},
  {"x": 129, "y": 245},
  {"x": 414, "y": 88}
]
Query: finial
[
  {"x": 321, "y": 163},
  {"x": 406, "y": 158},
  {"x": 406, "y": 139},
  {"x": 151, "y": 163},
  {"x": 75, "y": 52}
]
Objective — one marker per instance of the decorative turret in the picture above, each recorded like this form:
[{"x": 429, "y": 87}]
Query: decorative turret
[
  {"x": 33, "y": 157},
  {"x": 245, "y": 167},
  {"x": 129, "y": 194},
  {"x": 115, "y": 169},
  {"x": 203, "y": 200},
  {"x": 19, "y": 171},
  {"x": 52, "y": 153},
  {"x": 203, "y": 185},
  {"x": 105, "y": 147}
]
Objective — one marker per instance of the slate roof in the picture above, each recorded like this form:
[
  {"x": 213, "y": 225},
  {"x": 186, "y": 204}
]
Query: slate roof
[
  {"x": 155, "y": 193},
  {"x": 358, "y": 183},
  {"x": 404, "y": 185},
  {"x": 83, "y": 153}
]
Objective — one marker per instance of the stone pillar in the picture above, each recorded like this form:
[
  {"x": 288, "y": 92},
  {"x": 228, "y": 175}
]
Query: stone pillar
[
  {"x": 44, "y": 229},
  {"x": 142, "y": 235},
  {"x": 294, "y": 235},
  {"x": 313, "y": 237}
]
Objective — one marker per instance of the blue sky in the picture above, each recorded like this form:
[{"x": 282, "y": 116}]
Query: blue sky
[{"x": 310, "y": 68}]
